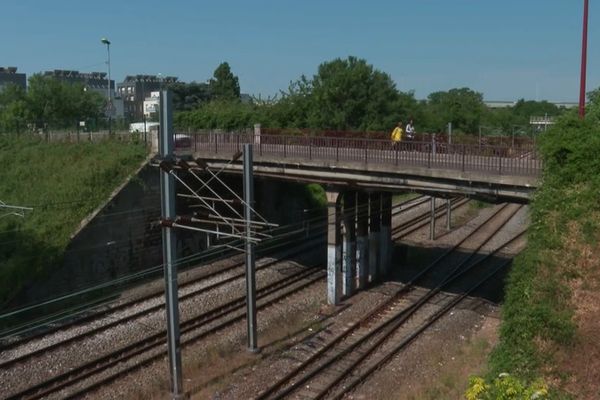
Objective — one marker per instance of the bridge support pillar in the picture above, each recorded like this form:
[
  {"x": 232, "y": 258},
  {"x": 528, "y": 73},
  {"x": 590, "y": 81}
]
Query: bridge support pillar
[
  {"x": 334, "y": 247},
  {"x": 349, "y": 249},
  {"x": 374, "y": 234},
  {"x": 385, "y": 239},
  {"x": 362, "y": 240}
]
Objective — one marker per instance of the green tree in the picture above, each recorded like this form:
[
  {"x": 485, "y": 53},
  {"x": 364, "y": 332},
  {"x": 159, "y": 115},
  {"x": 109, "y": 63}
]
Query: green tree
[
  {"x": 224, "y": 85},
  {"x": 593, "y": 107},
  {"x": 188, "y": 96},
  {"x": 462, "y": 107},
  {"x": 13, "y": 109},
  {"x": 55, "y": 104},
  {"x": 294, "y": 106},
  {"x": 351, "y": 94},
  {"x": 525, "y": 109}
]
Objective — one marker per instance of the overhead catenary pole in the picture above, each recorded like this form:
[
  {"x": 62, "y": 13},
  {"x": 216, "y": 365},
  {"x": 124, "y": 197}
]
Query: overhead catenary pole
[
  {"x": 583, "y": 61},
  {"x": 250, "y": 266},
  {"x": 167, "y": 191},
  {"x": 108, "y": 92}
]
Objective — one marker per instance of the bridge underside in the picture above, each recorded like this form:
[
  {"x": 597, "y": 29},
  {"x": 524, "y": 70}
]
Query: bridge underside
[
  {"x": 361, "y": 176},
  {"x": 359, "y": 199}
]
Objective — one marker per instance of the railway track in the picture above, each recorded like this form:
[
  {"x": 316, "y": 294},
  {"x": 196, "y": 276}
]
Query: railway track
[
  {"x": 153, "y": 347},
  {"x": 351, "y": 356},
  {"x": 423, "y": 219},
  {"x": 98, "y": 313},
  {"x": 225, "y": 276},
  {"x": 114, "y": 305},
  {"x": 155, "y": 343}
]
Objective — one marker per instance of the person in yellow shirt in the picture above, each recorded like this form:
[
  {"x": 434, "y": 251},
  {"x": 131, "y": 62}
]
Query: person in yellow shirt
[{"x": 397, "y": 135}]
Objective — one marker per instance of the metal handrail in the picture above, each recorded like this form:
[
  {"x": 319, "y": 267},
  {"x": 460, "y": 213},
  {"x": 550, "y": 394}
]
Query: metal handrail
[{"x": 500, "y": 160}]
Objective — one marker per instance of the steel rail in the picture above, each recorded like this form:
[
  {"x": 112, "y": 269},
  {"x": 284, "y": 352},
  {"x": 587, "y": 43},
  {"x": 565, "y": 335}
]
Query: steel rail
[
  {"x": 397, "y": 320},
  {"x": 157, "y": 307},
  {"x": 93, "y": 367},
  {"x": 385, "y": 329},
  {"x": 416, "y": 333},
  {"x": 369, "y": 317},
  {"x": 422, "y": 220},
  {"x": 220, "y": 255}
]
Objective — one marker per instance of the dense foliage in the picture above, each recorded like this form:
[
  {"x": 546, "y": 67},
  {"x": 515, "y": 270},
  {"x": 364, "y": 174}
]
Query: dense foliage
[
  {"x": 351, "y": 95},
  {"x": 47, "y": 104},
  {"x": 538, "y": 314},
  {"x": 344, "y": 95},
  {"x": 224, "y": 85},
  {"x": 63, "y": 183}
]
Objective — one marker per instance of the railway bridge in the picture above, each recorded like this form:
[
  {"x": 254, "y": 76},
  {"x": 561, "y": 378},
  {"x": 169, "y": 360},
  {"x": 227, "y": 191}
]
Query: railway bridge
[{"x": 360, "y": 176}]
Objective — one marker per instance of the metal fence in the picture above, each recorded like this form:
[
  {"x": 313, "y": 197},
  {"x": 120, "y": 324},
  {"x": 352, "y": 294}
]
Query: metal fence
[
  {"x": 75, "y": 137},
  {"x": 503, "y": 160},
  {"x": 457, "y": 138}
]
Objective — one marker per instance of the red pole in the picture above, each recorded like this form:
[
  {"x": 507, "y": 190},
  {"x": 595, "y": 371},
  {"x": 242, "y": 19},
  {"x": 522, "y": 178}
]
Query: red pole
[{"x": 583, "y": 61}]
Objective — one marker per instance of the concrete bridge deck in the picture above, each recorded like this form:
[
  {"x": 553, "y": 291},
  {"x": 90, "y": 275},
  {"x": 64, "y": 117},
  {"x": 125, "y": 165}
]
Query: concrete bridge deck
[{"x": 489, "y": 172}]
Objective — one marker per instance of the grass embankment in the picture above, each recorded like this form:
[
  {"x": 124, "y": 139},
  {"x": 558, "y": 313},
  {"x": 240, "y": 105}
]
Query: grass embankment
[
  {"x": 549, "y": 333},
  {"x": 63, "y": 183}
]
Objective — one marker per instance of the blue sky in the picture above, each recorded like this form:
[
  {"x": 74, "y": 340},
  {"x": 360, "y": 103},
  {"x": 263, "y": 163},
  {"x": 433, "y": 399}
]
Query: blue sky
[{"x": 505, "y": 49}]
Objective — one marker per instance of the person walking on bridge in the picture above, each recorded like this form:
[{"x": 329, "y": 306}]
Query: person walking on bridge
[
  {"x": 410, "y": 130},
  {"x": 397, "y": 135}
]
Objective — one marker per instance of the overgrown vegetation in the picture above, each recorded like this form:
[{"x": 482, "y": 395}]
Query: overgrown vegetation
[
  {"x": 352, "y": 95},
  {"x": 538, "y": 314},
  {"x": 344, "y": 95},
  {"x": 63, "y": 183},
  {"x": 47, "y": 104}
]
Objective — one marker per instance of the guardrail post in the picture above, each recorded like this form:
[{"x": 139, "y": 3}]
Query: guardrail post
[
  {"x": 284, "y": 146},
  {"x": 432, "y": 221},
  {"x": 429, "y": 157},
  {"x": 366, "y": 152},
  {"x": 500, "y": 166},
  {"x": 310, "y": 148}
]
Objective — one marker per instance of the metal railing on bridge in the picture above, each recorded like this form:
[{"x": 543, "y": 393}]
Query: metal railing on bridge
[{"x": 503, "y": 160}]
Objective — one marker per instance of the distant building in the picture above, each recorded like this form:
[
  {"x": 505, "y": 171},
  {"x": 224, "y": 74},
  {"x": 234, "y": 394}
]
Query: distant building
[
  {"x": 506, "y": 104},
  {"x": 136, "y": 88},
  {"x": 95, "y": 81},
  {"x": 499, "y": 104},
  {"x": 10, "y": 75},
  {"x": 541, "y": 123},
  {"x": 151, "y": 104}
]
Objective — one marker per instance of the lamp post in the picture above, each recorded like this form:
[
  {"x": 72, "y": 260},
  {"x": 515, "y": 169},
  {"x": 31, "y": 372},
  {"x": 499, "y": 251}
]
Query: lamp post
[
  {"x": 583, "y": 60},
  {"x": 108, "y": 94}
]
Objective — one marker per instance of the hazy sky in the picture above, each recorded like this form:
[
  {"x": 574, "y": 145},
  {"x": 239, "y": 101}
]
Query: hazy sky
[{"x": 505, "y": 49}]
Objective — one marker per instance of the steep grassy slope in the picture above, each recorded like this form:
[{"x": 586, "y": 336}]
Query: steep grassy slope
[
  {"x": 63, "y": 183},
  {"x": 550, "y": 318}
]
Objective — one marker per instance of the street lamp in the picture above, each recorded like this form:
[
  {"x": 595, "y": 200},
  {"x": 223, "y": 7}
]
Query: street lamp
[{"x": 108, "y": 94}]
